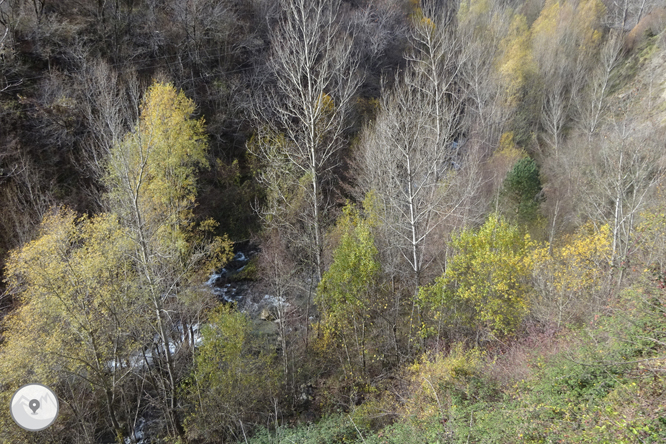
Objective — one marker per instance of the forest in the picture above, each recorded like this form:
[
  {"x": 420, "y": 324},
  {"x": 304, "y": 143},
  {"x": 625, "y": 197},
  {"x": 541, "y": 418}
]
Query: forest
[{"x": 328, "y": 221}]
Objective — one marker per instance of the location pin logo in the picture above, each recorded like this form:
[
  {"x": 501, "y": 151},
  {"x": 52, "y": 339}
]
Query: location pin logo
[{"x": 34, "y": 405}]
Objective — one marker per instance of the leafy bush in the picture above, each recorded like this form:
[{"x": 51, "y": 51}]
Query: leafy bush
[
  {"x": 332, "y": 429},
  {"x": 233, "y": 381},
  {"x": 570, "y": 276},
  {"x": 485, "y": 284}
]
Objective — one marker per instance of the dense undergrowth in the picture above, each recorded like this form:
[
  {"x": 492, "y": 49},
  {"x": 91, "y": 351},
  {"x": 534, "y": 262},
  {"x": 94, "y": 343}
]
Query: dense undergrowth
[{"x": 600, "y": 382}]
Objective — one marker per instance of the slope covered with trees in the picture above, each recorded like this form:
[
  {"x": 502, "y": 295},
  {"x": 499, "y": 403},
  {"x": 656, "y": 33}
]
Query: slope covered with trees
[{"x": 423, "y": 221}]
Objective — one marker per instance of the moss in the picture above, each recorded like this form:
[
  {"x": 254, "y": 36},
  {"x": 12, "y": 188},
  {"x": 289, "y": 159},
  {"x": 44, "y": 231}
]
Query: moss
[{"x": 249, "y": 273}]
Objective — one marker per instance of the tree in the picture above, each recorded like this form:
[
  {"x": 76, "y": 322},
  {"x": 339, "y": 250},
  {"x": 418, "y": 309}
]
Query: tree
[
  {"x": 152, "y": 187},
  {"x": 522, "y": 190},
  {"x": 203, "y": 25},
  {"x": 232, "y": 381},
  {"x": 619, "y": 175},
  {"x": 111, "y": 298},
  {"x": 406, "y": 155},
  {"x": 278, "y": 271},
  {"x": 435, "y": 66},
  {"x": 6, "y": 49},
  {"x": 515, "y": 62},
  {"x": 485, "y": 288},
  {"x": 284, "y": 206},
  {"x": 410, "y": 159},
  {"x": 568, "y": 277},
  {"x": 314, "y": 83},
  {"x": 285, "y": 239},
  {"x": 517, "y": 69},
  {"x": 481, "y": 29},
  {"x": 565, "y": 38},
  {"x": 26, "y": 196},
  {"x": 623, "y": 15},
  {"x": 151, "y": 177},
  {"x": 78, "y": 316},
  {"x": 594, "y": 103},
  {"x": 110, "y": 107},
  {"x": 345, "y": 293}
]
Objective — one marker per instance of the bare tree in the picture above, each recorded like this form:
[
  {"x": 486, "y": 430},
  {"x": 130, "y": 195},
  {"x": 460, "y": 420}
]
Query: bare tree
[
  {"x": 203, "y": 25},
  {"x": 407, "y": 156},
  {"x": 405, "y": 170},
  {"x": 435, "y": 65},
  {"x": 555, "y": 109},
  {"x": 110, "y": 107},
  {"x": 593, "y": 105},
  {"x": 589, "y": 110},
  {"x": 623, "y": 15},
  {"x": 377, "y": 26},
  {"x": 26, "y": 195},
  {"x": 565, "y": 40},
  {"x": 5, "y": 50},
  {"x": 483, "y": 92},
  {"x": 556, "y": 66},
  {"x": 279, "y": 271},
  {"x": 619, "y": 174},
  {"x": 314, "y": 84}
]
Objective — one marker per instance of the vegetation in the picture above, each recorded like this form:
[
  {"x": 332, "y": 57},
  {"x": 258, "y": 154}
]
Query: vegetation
[
  {"x": 386, "y": 221},
  {"x": 484, "y": 286}
]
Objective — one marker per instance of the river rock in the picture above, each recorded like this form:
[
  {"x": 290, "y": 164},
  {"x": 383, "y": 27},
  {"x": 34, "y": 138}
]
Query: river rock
[{"x": 266, "y": 315}]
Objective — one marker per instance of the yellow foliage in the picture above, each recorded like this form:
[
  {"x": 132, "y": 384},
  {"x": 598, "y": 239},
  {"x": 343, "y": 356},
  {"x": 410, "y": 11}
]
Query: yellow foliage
[
  {"x": 473, "y": 10},
  {"x": 515, "y": 60},
  {"x": 175, "y": 142},
  {"x": 85, "y": 310},
  {"x": 75, "y": 286},
  {"x": 427, "y": 23},
  {"x": 546, "y": 24},
  {"x": 326, "y": 103},
  {"x": 152, "y": 170},
  {"x": 485, "y": 284},
  {"x": 587, "y": 20},
  {"x": 433, "y": 381},
  {"x": 568, "y": 24},
  {"x": 569, "y": 273},
  {"x": 416, "y": 12},
  {"x": 506, "y": 141},
  {"x": 345, "y": 294},
  {"x": 651, "y": 237},
  {"x": 508, "y": 151}
]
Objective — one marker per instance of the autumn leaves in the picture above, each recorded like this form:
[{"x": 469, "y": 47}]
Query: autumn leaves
[{"x": 101, "y": 297}]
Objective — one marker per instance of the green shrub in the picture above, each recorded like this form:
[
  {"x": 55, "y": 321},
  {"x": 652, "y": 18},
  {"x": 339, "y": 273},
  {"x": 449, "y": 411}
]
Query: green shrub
[
  {"x": 331, "y": 429},
  {"x": 522, "y": 191}
]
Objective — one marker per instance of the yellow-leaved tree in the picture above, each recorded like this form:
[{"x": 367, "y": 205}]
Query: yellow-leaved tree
[
  {"x": 515, "y": 62},
  {"x": 76, "y": 323},
  {"x": 151, "y": 174},
  {"x": 345, "y": 293},
  {"x": 152, "y": 187},
  {"x": 108, "y": 306},
  {"x": 569, "y": 276},
  {"x": 485, "y": 288}
]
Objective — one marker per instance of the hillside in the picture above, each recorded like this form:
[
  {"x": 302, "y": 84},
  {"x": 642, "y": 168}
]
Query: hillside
[{"x": 324, "y": 221}]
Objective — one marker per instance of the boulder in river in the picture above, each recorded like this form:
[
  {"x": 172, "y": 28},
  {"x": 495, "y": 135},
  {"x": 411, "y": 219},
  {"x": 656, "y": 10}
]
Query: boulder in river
[{"x": 266, "y": 315}]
